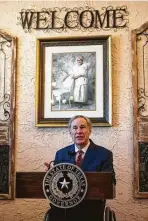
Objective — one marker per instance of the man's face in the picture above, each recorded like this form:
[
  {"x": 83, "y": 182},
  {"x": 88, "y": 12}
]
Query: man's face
[
  {"x": 80, "y": 60},
  {"x": 80, "y": 132}
]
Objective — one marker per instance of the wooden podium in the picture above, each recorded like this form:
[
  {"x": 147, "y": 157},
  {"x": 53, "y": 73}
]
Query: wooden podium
[
  {"x": 100, "y": 187},
  {"x": 29, "y": 185}
]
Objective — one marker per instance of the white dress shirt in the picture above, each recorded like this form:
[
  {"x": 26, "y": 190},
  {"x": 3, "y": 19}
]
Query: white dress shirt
[{"x": 84, "y": 149}]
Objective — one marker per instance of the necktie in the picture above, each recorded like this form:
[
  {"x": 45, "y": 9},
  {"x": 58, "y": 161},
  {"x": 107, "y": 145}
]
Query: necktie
[{"x": 79, "y": 158}]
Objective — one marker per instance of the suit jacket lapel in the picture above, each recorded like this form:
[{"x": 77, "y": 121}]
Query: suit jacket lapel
[
  {"x": 89, "y": 156},
  {"x": 71, "y": 159}
]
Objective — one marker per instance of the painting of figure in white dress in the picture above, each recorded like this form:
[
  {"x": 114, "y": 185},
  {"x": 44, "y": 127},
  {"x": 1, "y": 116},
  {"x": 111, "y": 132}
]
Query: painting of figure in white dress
[{"x": 73, "y": 81}]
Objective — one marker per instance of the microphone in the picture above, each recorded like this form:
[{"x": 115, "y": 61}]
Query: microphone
[{"x": 71, "y": 153}]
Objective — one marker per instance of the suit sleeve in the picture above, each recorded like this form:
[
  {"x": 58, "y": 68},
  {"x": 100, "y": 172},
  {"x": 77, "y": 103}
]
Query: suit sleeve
[
  {"x": 107, "y": 165},
  {"x": 57, "y": 158}
]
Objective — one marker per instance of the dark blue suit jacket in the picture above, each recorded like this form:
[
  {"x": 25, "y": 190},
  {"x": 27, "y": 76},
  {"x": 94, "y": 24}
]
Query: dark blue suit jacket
[{"x": 97, "y": 158}]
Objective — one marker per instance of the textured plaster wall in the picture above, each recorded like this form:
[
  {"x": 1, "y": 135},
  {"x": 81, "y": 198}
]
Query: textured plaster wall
[{"x": 34, "y": 145}]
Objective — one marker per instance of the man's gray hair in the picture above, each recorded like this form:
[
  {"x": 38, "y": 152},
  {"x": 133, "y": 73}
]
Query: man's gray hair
[{"x": 79, "y": 116}]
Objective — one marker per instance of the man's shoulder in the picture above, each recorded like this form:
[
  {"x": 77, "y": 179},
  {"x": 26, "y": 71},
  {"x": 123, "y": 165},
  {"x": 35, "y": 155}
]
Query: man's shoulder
[
  {"x": 99, "y": 148},
  {"x": 65, "y": 149}
]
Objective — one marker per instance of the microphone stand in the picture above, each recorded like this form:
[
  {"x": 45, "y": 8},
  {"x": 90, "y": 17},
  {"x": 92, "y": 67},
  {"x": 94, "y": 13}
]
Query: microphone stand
[{"x": 65, "y": 218}]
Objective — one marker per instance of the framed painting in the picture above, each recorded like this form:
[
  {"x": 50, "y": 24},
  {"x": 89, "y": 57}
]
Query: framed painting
[{"x": 73, "y": 77}]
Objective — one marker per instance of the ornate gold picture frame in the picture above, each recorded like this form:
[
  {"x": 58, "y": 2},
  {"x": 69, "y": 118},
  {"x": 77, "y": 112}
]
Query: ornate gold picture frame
[{"x": 73, "y": 77}]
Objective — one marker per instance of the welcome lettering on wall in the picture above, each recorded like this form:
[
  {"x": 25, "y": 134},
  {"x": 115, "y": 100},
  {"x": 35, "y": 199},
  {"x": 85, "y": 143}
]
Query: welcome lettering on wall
[{"x": 75, "y": 19}]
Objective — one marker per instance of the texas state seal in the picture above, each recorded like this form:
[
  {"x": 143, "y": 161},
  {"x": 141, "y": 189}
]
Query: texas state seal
[{"x": 65, "y": 185}]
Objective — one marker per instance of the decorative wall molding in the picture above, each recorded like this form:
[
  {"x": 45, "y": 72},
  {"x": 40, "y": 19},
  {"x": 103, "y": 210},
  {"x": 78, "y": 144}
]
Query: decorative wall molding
[
  {"x": 7, "y": 113},
  {"x": 140, "y": 104}
]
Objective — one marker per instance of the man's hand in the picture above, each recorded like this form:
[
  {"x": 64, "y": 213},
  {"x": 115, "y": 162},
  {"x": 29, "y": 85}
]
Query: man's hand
[{"x": 47, "y": 166}]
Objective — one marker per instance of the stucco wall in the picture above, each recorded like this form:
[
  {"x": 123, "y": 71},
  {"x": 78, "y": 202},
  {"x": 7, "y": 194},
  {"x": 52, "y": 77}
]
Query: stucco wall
[{"x": 35, "y": 145}]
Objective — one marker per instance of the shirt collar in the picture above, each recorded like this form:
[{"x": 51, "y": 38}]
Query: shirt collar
[{"x": 84, "y": 149}]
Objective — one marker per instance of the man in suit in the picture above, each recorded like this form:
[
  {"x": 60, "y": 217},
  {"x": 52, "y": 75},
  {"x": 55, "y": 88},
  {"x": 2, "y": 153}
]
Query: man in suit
[{"x": 94, "y": 158}]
